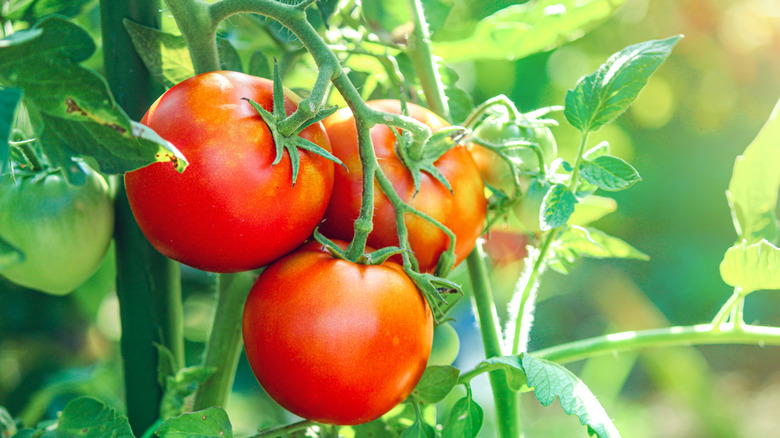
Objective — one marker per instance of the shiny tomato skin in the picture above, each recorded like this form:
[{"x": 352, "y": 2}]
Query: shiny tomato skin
[
  {"x": 462, "y": 211},
  {"x": 334, "y": 341},
  {"x": 230, "y": 210}
]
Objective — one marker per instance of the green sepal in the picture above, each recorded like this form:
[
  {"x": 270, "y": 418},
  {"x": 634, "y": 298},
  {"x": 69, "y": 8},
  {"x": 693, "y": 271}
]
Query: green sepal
[
  {"x": 292, "y": 142},
  {"x": 328, "y": 244},
  {"x": 437, "y": 145},
  {"x": 432, "y": 288},
  {"x": 381, "y": 255}
]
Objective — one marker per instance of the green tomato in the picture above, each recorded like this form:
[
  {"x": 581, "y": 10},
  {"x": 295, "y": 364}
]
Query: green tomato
[
  {"x": 445, "y": 345},
  {"x": 63, "y": 230},
  {"x": 500, "y": 131}
]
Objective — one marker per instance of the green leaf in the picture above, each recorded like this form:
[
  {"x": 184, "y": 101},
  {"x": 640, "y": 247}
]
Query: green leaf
[
  {"x": 373, "y": 429},
  {"x": 418, "y": 430},
  {"x": 9, "y": 101},
  {"x": 550, "y": 380},
  {"x": 259, "y": 65},
  {"x": 465, "y": 419},
  {"x": 327, "y": 8},
  {"x": 528, "y": 28},
  {"x": 754, "y": 185},
  {"x": 180, "y": 386},
  {"x": 599, "y": 98},
  {"x": 165, "y": 55},
  {"x": 752, "y": 267},
  {"x": 557, "y": 207},
  {"x": 33, "y": 10},
  {"x": 594, "y": 243},
  {"x": 599, "y": 150},
  {"x": 79, "y": 114},
  {"x": 211, "y": 422},
  {"x": 609, "y": 173},
  {"x": 513, "y": 368},
  {"x": 88, "y": 417},
  {"x": 228, "y": 56},
  {"x": 435, "y": 383}
]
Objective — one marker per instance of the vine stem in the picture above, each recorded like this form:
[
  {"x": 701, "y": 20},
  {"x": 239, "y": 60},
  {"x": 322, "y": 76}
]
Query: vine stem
[
  {"x": 506, "y": 401},
  {"x": 702, "y": 334},
  {"x": 422, "y": 57},
  {"x": 284, "y": 431}
]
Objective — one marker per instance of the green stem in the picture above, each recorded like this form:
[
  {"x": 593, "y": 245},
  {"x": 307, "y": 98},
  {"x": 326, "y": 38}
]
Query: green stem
[
  {"x": 702, "y": 334},
  {"x": 223, "y": 347},
  {"x": 725, "y": 311},
  {"x": 506, "y": 401},
  {"x": 424, "y": 63},
  {"x": 575, "y": 176},
  {"x": 493, "y": 101},
  {"x": 147, "y": 283},
  {"x": 199, "y": 31}
]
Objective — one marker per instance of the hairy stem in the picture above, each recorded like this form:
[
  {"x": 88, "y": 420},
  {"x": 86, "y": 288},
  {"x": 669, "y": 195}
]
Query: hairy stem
[{"x": 422, "y": 57}]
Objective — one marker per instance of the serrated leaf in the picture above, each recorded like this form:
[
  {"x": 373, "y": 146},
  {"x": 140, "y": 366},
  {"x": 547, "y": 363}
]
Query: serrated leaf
[
  {"x": 512, "y": 366},
  {"x": 435, "y": 383},
  {"x": 594, "y": 243},
  {"x": 9, "y": 101},
  {"x": 609, "y": 173},
  {"x": 79, "y": 114},
  {"x": 465, "y": 420},
  {"x": 211, "y": 422},
  {"x": 165, "y": 55},
  {"x": 753, "y": 190},
  {"x": 524, "y": 29},
  {"x": 557, "y": 207},
  {"x": 752, "y": 267},
  {"x": 550, "y": 380},
  {"x": 228, "y": 56},
  {"x": 599, "y": 98},
  {"x": 91, "y": 418}
]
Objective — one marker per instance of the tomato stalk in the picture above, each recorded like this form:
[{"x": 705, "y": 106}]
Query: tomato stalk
[
  {"x": 422, "y": 57},
  {"x": 285, "y": 431},
  {"x": 148, "y": 285}
]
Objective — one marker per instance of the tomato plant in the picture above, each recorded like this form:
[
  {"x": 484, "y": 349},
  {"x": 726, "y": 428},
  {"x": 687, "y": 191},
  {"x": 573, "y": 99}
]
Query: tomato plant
[
  {"x": 63, "y": 230},
  {"x": 232, "y": 209},
  {"x": 335, "y": 341},
  {"x": 462, "y": 210}
]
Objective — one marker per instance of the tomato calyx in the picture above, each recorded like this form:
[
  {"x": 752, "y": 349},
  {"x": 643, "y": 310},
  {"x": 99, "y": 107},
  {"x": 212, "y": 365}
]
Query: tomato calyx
[
  {"x": 421, "y": 157},
  {"x": 369, "y": 258},
  {"x": 291, "y": 141}
]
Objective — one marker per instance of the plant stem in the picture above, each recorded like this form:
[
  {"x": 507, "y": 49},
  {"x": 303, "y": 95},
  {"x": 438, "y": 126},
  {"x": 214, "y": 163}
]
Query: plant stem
[
  {"x": 147, "y": 283},
  {"x": 725, "y": 311},
  {"x": 199, "y": 31},
  {"x": 506, "y": 401},
  {"x": 223, "y": 347},
  {"x": 575, "y": 176},
  {"x": 702, "y": 334},
  {"x": 422, "y": 57}
]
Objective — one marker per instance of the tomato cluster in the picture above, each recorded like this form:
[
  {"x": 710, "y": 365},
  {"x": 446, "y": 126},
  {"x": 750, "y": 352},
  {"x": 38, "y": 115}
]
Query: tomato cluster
[{"x": 329, "y": 339}]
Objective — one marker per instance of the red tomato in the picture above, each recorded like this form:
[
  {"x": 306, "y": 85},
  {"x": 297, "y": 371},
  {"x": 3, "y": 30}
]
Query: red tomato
[
  {"x": 462, "y": 211},
  {"x": 230, "y": 210},
  {"x": 335, "y": 341}
]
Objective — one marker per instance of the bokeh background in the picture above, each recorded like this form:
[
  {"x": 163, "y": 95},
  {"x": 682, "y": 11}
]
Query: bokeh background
[{"x": 698, "y": 112}]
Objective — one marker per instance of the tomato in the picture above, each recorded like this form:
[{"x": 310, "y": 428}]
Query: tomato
[
  {"x": 230, "y": 210},
  {"x": 505, "y": 245},
  {"x": 462, "y": 211},
  {"x": 445, "y": 345},
  {"x": 63, "y": 230},
  {"x": 335, "y": 341},
  {"x": 499, "y": 131}
]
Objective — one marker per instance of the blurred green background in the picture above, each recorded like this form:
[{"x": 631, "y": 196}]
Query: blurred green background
[{"x": 698, "y": 112}]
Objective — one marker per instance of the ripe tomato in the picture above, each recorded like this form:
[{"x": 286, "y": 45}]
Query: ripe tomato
[
  {"x": 335, "y": 341},
  {"x": 230, "y": 210},
  {"x": 462, "y": 211},
  {"x": 63, "y": 230}
]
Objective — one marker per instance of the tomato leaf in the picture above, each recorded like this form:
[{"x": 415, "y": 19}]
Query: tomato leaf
[
  {"x": 575, "y": 242},
  {"x": 752, "y": 267},
  {"x": 521, "y": 30},
  {"x": 435, "y": 383},
  {"x": 259, "y": 65},
  {"x": 557, "y": 207},
  {"x": 212, "y": 422},
  {"x": 79, "y": 114},
  {"x": 609, "y": 173},
  {"x": 165, "y": 55},
  {"x": 90, "y": 418},
  {"x": 550, "y": 380},
  {"x": 228, "y": 56},
  {"x": 9, "y": 101},
  {"x": 753, "y": 190},
  {"x": 599, "y": 98},
  {"x": 419, "y": 430},
  {"x": 465, "y": 419},
  {"x": 33, "y": 10},
  {"x": 599, "y": 150},
  {"x": 180, "y": 386},
  {"x": 512, "y": 367}
]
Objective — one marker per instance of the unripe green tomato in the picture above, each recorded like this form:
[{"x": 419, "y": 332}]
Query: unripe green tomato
[
  {"x": 499, "y": 131},
  {"x": 445, "y": 345},
  {"x": 63, "y": 230},
  {"x": 528, "y": 207}
]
